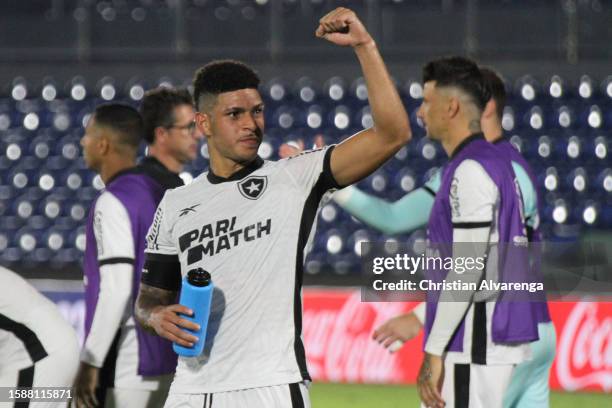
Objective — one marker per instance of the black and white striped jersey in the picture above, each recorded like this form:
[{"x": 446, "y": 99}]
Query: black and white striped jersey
[{"x": 250, "y": 231}]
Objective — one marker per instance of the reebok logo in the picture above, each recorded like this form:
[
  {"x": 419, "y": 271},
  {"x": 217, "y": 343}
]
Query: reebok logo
[{"x": 187, "y": 210}]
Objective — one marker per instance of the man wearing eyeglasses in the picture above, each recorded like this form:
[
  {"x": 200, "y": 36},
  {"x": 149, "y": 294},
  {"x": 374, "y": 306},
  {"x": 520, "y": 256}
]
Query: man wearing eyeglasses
[
  {"x": 121, "y": 364},
  {"x": 170, "y": 131}
]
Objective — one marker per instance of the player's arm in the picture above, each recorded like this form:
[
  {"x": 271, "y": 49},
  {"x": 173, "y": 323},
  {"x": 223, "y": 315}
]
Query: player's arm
[
  {"x": 156, "y": 309},
  {"x": 361, "y": 154},
  {"x": 529, "y": 197},
  {"x": 405, "y": 215},
  {"x": 396, "y": 331},
  {"x": 473, "y": 203},
  {"x": 115, "y": 247},
  {"x": 157, "y": 312}
]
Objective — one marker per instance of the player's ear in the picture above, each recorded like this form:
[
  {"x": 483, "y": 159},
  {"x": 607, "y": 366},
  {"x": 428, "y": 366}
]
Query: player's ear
[
  {"x": 490, "y": 109},
  {"x": 453, "y": 106},
  {"x": 203, "y": 123},
  {"x": 104, "y": 144}
]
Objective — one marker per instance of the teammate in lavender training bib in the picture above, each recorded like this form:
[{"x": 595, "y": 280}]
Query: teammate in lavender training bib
[
  {"x": 476, "y": 341},
  {"x": 127, "y": 365}
]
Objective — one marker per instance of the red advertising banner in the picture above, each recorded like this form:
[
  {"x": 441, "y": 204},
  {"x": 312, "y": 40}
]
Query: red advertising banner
[
  {"x": 337, "y": 329},
  {"x": 584, "y": 346}
]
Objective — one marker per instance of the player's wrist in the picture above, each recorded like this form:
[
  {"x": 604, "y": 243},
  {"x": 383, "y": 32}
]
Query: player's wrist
[
  {"x": 367, "y": 44},
  {"x": 89, "y": 361}
]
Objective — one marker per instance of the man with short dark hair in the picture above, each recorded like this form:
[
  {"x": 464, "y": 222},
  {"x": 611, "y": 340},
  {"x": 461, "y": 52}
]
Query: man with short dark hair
[
  {"x": 248, "y": 222},
  {"x": 529, "y": 384},
  {"x": 473, "y": 343},
  {"x": 121, "y": 364},
  {"x": 169, "y": 129}
]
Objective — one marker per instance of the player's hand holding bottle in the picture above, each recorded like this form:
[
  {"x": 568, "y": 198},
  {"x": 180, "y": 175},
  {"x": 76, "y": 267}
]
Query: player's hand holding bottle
[{"x": 167, "y": 323}]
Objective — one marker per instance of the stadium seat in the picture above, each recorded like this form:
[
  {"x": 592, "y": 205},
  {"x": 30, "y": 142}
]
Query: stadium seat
[
  {"x": 285, "y": 117},
  {"x": 340, "y": 117},
  {"x": 604, "y": 181},
  {"x": 276, "y": 91},
  {"x": 107, "y": 89},
  {"x": 598, "y": 147},
  {"x": 560, "y": 124},
  {"x": 549, "y": 179},
  {"x": 585, "y": 87},
  {"x": 359, "y": 91},
  {"x": 557, "y": 88},
  {"x": 335, "y": 89},
  {"x": 578, "y": 180},
  {"x": 565, "y": 117},
  {"x": 306, "y": 90}
]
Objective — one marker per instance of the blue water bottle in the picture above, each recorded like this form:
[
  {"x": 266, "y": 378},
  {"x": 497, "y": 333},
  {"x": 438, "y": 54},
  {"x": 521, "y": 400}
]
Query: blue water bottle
[{"x": 196, "y": 294}]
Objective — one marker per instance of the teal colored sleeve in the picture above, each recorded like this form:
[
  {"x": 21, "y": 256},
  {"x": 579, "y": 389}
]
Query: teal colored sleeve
[
  {"x": 528, "y": 193},
  {"x": 434, "y": 181},
  {"x": 409, "y": 213}
]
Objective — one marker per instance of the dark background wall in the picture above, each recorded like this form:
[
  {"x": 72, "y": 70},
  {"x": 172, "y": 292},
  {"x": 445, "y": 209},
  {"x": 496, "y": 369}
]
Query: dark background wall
[{"x": 154, "y": 38}]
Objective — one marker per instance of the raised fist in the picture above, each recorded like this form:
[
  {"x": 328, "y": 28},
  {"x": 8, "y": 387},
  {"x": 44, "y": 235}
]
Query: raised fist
[{"x": 342, "y": 27}]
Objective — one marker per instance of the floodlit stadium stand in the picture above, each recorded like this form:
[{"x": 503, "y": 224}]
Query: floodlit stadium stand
[{"x": 561, "y": 127}]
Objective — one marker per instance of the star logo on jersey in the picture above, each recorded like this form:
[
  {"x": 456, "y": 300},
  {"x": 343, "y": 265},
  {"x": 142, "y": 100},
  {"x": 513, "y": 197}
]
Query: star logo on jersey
[
  {"x": 187, "y": 210},
  {"x": 253, "y": 187}
]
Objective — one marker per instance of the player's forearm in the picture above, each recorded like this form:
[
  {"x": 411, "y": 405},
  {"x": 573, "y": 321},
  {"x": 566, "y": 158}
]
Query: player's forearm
[
  {"x": 419, "y": 311},
  {"x": 468, "y": 243},
  {"x": 388, "y": 112},
  {"x": 405, "y": 215},
  {"x": 149, "y": 300},
  {"x": 113, "y": 299}
]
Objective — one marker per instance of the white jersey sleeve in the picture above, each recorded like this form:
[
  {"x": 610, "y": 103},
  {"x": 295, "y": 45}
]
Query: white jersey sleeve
[
  {"x": 162, "y": 268},
  {"x": 112, "y": 229},
  {"x": 113, "y": 300},
  {"x": 311, "y": 169},
  {"x": 473, "y": 198},
  {"x": 159, "y": 237},
  {"x": 473, "y": 194},
  {"x": 31, "y": 327},
  {"x": 419, "y": 311}
]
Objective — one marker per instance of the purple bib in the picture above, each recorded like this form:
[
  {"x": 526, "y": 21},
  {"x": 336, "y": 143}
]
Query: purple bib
[
  {"x": 514, "y": 321},
  {"x": 140, "y": 195}
]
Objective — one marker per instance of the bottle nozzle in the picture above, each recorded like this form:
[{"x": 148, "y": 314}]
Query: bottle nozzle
[{"x": 198, "y": 277}]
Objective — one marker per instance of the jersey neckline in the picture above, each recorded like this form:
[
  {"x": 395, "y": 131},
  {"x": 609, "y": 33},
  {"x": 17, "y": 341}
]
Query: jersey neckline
[
  {"x": 240, "y": 174},
  {"x": 465, "y": 142}
]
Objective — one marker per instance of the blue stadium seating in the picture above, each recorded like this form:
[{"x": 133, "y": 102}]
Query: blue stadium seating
[{"x": 560, "y": 125}]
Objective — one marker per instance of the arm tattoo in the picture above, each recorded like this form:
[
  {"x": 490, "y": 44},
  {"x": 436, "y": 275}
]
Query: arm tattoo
[
  {"x": 425, "y": 372},
  {"x": 149, "y": 298}
]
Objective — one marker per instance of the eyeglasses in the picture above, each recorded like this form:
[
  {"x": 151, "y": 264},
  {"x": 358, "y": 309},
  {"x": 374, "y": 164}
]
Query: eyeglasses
[{"x": 190, "y": 127}]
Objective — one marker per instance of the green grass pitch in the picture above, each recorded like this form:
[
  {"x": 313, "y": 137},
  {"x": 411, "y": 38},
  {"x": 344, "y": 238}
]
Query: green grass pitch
[{"x": 395, "y": 396}]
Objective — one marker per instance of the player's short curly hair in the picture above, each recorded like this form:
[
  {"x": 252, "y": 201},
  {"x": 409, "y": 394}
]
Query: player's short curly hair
[
  {"x": 222, "y": 76},
  {"x": 157, "y": 109},
  {"x": 461, "y": 73}
]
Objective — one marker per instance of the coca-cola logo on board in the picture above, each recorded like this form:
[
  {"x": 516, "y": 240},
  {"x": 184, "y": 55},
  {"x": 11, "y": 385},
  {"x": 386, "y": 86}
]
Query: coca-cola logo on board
[
  {"x": 339, "y": 343},
  {"x": 585, "y": 349}
]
